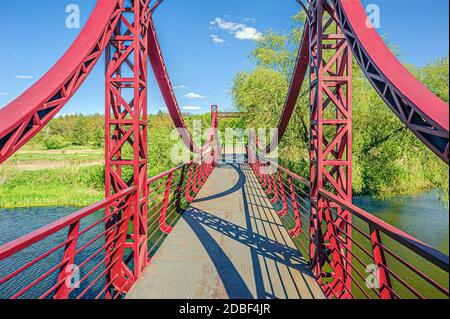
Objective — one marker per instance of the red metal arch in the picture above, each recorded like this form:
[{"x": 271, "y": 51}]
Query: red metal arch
[
  {"x": 416, "y": 106},
  {"x": 24, "y": 117},
  {"x": 166, "y": 88},
  {"x": 301, "y": 67}
]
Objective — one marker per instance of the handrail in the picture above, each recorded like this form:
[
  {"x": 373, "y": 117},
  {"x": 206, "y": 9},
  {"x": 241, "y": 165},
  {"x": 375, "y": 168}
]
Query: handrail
[
  {"x": 285, "y": 170},
  {"x": 433, "y": 255},
  {"x": 162, "y": 175},
  {"x": 292, "y": 174},
  {"x": 25, "y": 241},
  {"x": 347, "y": 247},
  {"x": 167, "y": 199}
]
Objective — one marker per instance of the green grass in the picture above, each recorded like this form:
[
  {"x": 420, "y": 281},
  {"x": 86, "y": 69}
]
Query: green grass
[
  {"x": 67, "y": 186},
  {"x": 53, "y": 195},
  {"x": 73, "y": 177},
  {"x": 74, "y": 154}
]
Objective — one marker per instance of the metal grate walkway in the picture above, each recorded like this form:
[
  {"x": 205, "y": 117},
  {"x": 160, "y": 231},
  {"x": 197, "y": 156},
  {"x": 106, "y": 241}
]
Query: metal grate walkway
[{"x": 229, "y": 244}]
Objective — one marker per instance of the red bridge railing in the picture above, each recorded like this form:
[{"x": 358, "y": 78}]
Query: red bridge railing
[
  {"x": 72, "y": 257},
  {"x": 42, "y": 263},
  {"x": 403, "y": 266},
  {"x": 379, "y": 260},
  {"x": 170, "y": 193}
]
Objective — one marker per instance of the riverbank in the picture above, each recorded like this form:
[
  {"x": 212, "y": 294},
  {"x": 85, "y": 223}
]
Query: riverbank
[
  {"x": 35, "y": 177},
  {"x": 70, "y": 177},
  {"x": 74, "y": 177},
  {"x": 76, "y": 186}
]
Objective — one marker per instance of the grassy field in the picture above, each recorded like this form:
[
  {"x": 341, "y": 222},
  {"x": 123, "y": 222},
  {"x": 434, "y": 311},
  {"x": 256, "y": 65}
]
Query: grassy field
[
  {"x": 73, "y": 176},
  {"x": 35, "y": 177},
  {"x": 38, "y": 158}
]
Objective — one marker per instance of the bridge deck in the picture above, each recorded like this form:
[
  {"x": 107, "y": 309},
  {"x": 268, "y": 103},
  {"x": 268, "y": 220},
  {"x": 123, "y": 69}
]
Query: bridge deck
[{"x": 229, "y": 244}]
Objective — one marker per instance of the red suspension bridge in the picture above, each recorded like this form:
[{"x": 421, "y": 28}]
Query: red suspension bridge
[{"x": 213, "y": 228}]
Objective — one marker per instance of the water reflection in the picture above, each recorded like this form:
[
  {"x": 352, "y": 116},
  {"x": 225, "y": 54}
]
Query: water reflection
[
  {"x": 423, "y": 216},
  {"x": 18, "y": 222}
]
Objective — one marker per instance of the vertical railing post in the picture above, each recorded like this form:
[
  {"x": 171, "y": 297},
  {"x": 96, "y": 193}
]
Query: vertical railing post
[
  {"x": 382, "y": 275},
  {"x": 179, "y": 191},
  {"x": 273, "y": 188},
  {"x": 66, "y": 270},
  {"x": 163, "y": 213},
  {"x": 203, "y": 169},
  {"x": 204, "y": 172},
  {"x": 187, "y": 193},
  {"x": 201, "y": 175},
  {"x": 298, "y": 220},
  {"x": 333, "y": 247},
  {"x": 118, "y": 274},
  {"x": 258, "y": 170},
  {"x": 285, "y": 209},
  {"x": 196, "y": 177},
  {"x": 264, "y": 176}
]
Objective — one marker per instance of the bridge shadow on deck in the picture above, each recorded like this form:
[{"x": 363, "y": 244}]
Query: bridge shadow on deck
[
  {"x": 260, "y": 246},
  {"x": 229, "y": 244}
]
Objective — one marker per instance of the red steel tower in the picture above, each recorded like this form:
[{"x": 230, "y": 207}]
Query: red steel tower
[
  {"x": 126, "y": 136},
  {"x": 330, "y": 145}
]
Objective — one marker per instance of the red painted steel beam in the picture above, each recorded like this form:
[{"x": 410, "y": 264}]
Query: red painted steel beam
[
  {"x": 416, "y": 106},
  {"x": 126, "y": 128},
  {"x": 24, "y": 117},
  {"x": 231, "y": 115},
  {"x": 330, "y": 149},
  {"x": 166, "y": 88}
]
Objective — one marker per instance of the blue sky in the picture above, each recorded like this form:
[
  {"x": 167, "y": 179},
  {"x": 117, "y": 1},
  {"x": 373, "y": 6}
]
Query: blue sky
[{"x": 205, "y": 43}]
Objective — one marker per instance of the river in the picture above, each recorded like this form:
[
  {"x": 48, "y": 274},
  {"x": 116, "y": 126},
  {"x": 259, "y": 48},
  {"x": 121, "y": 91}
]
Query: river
[{"x": 424, "y": 216}]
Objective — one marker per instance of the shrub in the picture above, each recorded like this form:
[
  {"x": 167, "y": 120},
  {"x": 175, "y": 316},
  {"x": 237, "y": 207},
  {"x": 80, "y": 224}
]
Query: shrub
[{"x": 54, "y": 142}]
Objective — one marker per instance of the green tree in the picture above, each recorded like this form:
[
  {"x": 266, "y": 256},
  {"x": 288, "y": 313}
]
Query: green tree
[
  {"x": 98, "y": 138},
  {"x": 55, "y": 142},
  {"x": 80, "y": 133},
  {"x": 388, "y": 158}
]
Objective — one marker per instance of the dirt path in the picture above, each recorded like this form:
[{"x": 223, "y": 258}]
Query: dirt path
[{"x": 42, "y": 164}]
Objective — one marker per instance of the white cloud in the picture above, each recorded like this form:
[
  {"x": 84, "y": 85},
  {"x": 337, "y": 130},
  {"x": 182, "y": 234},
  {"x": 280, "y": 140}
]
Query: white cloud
[
  {"x": 239, "y": 30},
  {"x": 248, "y": 33},
  {"x": 193, "y": 95},
  {"x": 181, "y": 86},
  {"x": 216, "y": 39},
  {"x": 23, "y": 76},
  {"x": 3, "y": 93},
  {"x": 226, "y": 25},
  {"x": 191, "y": 108}
]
